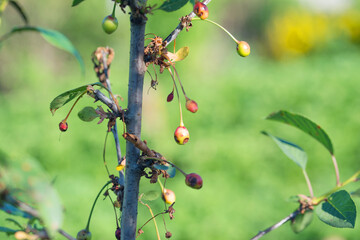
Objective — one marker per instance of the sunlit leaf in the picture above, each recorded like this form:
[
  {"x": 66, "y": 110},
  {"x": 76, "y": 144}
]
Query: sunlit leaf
[
  {"x": 20, "y": 10},
  {"x": 66, "y": 97},
  {"x": 338, "y": 211},
  {"x": 120, "y": 167},
  {"x": 301, "y": 221},
  {"x": 305, "y": 125},
  {"x": 181, "y": 54},
  {"x": 151, "y": 195},
  {"x": 291, "y": 150},
  {"x": 53, "y": 37},
  {"x": 172, "y": 5},
  {"x": 76, "y": 2},
  {"x": 87, "y": 114}
]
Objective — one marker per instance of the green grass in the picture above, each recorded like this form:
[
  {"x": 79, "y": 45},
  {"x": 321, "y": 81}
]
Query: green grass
[{"x": 247, "y": 180}]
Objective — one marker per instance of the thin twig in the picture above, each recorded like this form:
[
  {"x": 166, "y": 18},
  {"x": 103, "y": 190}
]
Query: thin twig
[
  {"x": 173, "y": 35},
  {"x": 275, "y": 226},
  {"x": 139, "y": 144},
  {"x": 65, "y": 234}
]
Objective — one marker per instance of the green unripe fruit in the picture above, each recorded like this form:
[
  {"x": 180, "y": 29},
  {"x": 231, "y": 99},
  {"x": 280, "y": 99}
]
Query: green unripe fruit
[
  {"x": 243, "y": 48},
  {"x": 110, "y": 24}
]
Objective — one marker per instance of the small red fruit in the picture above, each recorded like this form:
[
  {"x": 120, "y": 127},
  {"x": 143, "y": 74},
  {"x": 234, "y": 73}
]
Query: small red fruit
[
  {"x": 201, "y": 10},
  {"x": 63, "y": 126},
  {"x": 181, "y": 135},
  {"x": 194, "y": 180},
  {"x": 170, "y": 97},
  {"x": 83, "y": 235},
  {"x": 168, "y": 196},
  {"x": 191, "y": 105},
  {"x": 243, "y": 48},
  {"x": 110, "y": 24},
  {"x": 118, "y": 233},
  {"x": 168, "y": 234}
]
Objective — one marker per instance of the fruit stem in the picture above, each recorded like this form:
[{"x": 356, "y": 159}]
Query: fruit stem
[
  {"x": 104, "y": 152},
  {"x": 114, "y": 8},
  {"x": 153, "y": 218},
  {"x": 93, "y": 206},
  {"x": 73, "y": 106},
  {"x": 216, "y": 24},
  {"x": 178, "y": 97}
]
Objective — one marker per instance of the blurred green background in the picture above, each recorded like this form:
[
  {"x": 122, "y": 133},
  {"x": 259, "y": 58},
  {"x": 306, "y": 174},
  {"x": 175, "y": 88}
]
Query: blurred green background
[{"x": 305, "y": 58}]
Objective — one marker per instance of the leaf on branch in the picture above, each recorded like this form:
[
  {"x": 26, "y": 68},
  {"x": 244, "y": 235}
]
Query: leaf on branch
[
  {"x": 76, "y": 2},
  {"x": 87, "y": 114},
  {"x": 8, "y": 231},
  {"x": 151, "y": 195},
  {"x": 53, "y": 37},
  {"x": 172, "y": 5},
  {"x": 10, "y": 209},
  {"x": 161, "y": 167},
  {"x": 301, "y": 221},
  {"x": 181, "y": 54},
  {"x": 338, "y": 211},
  {"x": 291, "y": 150},
  {"x": 20, "y": 10},
  {"x": 66, "y": 97},
  {"x": 192, "y": 2},
  {"x": 305, "y": 125},
  {"x": 171, "y": 171}
]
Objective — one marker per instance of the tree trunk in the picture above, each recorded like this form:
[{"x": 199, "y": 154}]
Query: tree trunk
[{"x": 133, "y": 123}]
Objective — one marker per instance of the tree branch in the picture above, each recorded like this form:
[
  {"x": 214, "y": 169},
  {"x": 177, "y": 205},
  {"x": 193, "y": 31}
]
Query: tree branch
[
  {"x": 173, "y": 35},
  {"x": 276, "y": 225}
]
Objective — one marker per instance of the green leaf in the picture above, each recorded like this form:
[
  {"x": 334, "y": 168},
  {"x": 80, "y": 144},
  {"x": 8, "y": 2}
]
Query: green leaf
[
  {"x": 305, "y": 125},
  {"x": 10, "y": 209},
  {"x": 192, "y": 2},
  {"x": 338, "y": 211},
  {"x": 66, "y": 97},
  {"x": 87, "y": 114},
  {"x": 20, "y": 10},
  {"x": 172, "y": 5},
  {"x": 76, "y": 2},
  {"x": 161, "y": 167},
  {"x": 171, "y": 171},
  {"x": 291, "y": 150},
  {"x": 151, "y": 195},
  {"x": 301, "y": 221},
  {"x": 7, "y": 230},
  {"x": 53, "y": 37}
]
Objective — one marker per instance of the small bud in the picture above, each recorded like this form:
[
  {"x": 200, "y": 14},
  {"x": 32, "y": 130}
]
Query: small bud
[
  {"x": 194, "y": 180},
  {"x": 63, "y": 126},
  {"x": 191, "y": 105},
  {"x": 168, "y": 196},
  {"x": 83, "y": 235},
  {"x": 168, "y": 234},
  {"x": 118, "y": 233},
  {"x": 243, "y": 48},
  {"x": 170, "y": 97},
  {"x": 181, "y": 135},
  {"x": 201, "y": 10}
]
